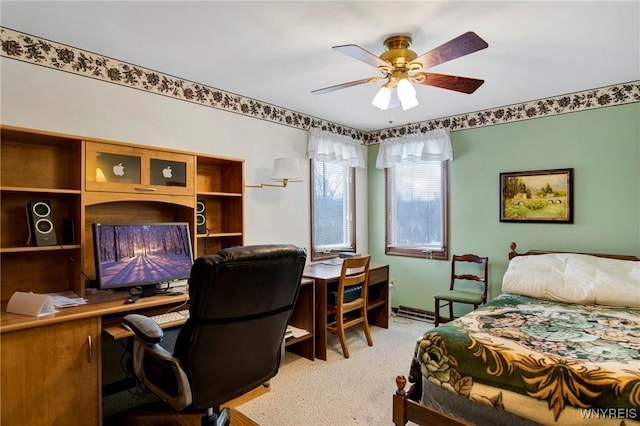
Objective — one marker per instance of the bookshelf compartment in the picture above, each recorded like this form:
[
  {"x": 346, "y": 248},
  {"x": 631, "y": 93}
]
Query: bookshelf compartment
[
  {"x": 222, "y": 215},
  {"x": 41, "y": 271},
  {"x": 31, "y": 160},
  {"x": 64, "y": 207},
  {"x": 215, "y": 175},
  {"x": 213, "y": 244}
]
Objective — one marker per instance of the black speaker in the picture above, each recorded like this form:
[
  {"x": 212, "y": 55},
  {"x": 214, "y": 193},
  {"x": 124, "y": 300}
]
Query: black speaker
[
  {"x": 68, "y": 231},
  {"x": 201, "y": 217},
  {"x": 41, "y": 232}
]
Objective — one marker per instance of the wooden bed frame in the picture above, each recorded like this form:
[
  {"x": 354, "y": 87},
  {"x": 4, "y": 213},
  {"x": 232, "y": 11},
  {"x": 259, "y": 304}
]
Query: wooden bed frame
[
  {"x": 406, "y": 404},
  {"x": 513, "y": 254}
]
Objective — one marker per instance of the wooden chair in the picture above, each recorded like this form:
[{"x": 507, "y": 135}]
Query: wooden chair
[
  {"x": 349, "y": 302},
  {"x": 467, "y": 295}
]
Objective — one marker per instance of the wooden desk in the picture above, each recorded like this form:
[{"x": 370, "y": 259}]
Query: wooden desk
[
  {"x": 303, "y": 317},
  {"x": 99, "y": 305},
  {"x": 56, "y": 360},
  {"x": 378, "y": 304}
]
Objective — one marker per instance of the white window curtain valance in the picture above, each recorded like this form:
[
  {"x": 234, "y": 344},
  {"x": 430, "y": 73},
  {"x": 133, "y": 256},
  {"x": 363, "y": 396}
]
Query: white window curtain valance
[
  {"x": 434, "y": 145},
  {"x": 328, "y": 147}
]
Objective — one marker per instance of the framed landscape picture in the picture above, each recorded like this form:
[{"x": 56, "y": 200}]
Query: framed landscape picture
[{"x": 537, "y": 196}]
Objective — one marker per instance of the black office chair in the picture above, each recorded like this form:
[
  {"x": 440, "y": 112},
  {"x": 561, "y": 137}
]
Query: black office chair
[
  {"x": 475, "y": 284},
  {"x": 240, "y": 302}
]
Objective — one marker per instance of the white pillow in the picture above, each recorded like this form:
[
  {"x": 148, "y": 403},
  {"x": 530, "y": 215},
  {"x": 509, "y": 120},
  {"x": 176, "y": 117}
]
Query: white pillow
[{"x": 575, "y": 278}]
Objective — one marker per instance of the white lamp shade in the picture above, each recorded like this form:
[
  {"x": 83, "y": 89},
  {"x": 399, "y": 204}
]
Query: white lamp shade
[
  {"x": 407, "y": 94},
  {"x": 406, "y": 89},
  {"x": 287, "y": 168},
  {"x": 409, "y": 102},
  {"x": 382, "y": 98}
]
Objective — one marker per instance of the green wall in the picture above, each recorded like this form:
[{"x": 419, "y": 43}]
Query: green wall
[{"x": 601, "y": 145}]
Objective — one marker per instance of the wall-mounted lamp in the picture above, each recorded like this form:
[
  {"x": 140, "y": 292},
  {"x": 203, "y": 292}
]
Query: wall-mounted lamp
[{"x": 285, "y": 170}]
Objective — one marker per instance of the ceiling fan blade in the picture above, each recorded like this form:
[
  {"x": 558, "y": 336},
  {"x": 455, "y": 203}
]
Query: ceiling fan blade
[
  {"x": 451, "y": 82},
  {"x": 345, "y": 85},
  {"x": 361, "y": 54},
  {"x": 468, "y": 42}
]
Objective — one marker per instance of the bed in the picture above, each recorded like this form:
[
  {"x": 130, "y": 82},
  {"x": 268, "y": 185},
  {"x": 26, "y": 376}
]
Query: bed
[{"x": 559, "y": 346}]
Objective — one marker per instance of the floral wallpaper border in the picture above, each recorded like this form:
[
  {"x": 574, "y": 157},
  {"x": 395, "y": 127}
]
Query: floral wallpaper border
[
  {"x": 620, "y": 94},
  {"x": 46, "y": 53}
]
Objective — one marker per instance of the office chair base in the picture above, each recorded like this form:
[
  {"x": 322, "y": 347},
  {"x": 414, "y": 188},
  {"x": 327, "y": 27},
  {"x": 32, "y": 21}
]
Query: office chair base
[{"x": 211, "y": 418}]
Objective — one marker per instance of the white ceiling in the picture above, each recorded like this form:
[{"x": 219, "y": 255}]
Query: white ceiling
[{"x": 278, "y": 52}]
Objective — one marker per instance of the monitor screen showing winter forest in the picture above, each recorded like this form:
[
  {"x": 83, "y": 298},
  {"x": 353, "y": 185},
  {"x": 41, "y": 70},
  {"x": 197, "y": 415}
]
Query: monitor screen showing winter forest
[{"x": 129, "y": 255}]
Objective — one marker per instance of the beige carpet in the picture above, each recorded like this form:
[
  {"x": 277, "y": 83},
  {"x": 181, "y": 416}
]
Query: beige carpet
[{"x": 339, "y": 391}]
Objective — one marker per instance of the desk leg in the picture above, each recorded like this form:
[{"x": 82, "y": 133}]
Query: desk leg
[{"x": 320, "y": 334}]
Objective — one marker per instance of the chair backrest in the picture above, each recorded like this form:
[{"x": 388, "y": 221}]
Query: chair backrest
[
  {"x": 240, "y": 302},
  {"x": 354, "y": 274},
  {"x": 460, "y": 272}
]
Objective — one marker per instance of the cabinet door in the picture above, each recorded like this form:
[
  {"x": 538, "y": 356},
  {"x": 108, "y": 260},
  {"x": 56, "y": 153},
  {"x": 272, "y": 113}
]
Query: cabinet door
[
  {"x": 50, "y": 375},
  {"x": 119, "y": 168}
]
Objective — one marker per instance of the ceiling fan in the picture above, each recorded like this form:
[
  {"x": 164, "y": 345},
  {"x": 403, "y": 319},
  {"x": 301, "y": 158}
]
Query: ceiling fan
[{"x": 400, "y": 66}]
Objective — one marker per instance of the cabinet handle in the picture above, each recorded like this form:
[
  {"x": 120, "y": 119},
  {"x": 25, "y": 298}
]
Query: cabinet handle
[
  {"x": 90, "y": 347},
  {"x": 143, "y": 188}
]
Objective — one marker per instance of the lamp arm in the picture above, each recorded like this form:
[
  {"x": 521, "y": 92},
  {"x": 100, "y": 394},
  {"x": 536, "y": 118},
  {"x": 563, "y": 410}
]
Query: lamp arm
[{"x": 283, "y": 184}]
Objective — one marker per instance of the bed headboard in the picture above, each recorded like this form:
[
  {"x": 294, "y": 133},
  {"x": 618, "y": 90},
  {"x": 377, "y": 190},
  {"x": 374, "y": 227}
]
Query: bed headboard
[{"x": 513, "y": 254}]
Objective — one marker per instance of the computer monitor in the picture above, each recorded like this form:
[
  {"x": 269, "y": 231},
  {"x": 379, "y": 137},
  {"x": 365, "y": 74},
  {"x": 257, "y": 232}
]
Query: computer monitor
[{"x": 129, "y": 255}]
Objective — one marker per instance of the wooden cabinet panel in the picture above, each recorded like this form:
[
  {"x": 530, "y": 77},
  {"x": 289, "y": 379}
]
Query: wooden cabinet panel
[
  {"x": 122, "y": 168},
  {"x": 50, "y": 375}
]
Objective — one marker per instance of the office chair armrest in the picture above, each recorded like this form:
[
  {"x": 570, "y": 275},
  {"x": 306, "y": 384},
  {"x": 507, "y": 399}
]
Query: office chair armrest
[
  {"x": 161, "y": 373},
  {"x": 144, "y": 327}
]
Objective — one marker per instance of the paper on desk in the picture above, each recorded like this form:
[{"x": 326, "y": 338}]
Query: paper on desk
[
  {"x": 32, "y": 304},
  {"x": 66, "y": 299}
]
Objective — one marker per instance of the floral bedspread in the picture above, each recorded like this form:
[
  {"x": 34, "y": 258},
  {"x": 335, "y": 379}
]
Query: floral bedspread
[{"x": 580, "y": 358}]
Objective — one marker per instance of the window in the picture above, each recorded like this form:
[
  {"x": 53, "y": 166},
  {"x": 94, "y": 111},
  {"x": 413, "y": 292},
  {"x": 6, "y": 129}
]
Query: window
[
  {"x": 332, "y": 208},
  {"x": 416, "y": 219}
]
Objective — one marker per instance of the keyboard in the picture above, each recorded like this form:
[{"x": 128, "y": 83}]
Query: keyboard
[{"x": 172, "y": 316}]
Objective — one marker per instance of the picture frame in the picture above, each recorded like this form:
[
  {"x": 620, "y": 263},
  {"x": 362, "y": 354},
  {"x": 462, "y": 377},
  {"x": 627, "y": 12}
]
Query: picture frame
[{"x": 538, "y": 196}]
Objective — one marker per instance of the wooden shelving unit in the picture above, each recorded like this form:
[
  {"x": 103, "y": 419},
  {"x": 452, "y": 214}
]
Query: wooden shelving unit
[
  {"x": 75, "y": 176},
  {"x": 220, "y": 195},
  {"x": 39, "y": 166},
  {"x": 303, "y": 317},
  {"x": 78, "y": 179}
]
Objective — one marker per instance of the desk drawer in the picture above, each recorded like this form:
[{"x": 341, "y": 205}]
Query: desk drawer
[{"x": 379, "y": 275}]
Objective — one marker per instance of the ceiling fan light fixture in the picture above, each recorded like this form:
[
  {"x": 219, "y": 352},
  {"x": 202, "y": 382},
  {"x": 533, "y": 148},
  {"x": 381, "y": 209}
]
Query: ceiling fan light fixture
[
  {"x": 407, "y": 94},
  {"x": 382, "y": 98},
  {"x": 402, "y": 67},
  {"x": 409, "y": 102},
  {"x": 406, "y": 89}
]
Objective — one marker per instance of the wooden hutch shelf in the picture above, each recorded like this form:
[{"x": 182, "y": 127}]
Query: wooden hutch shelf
[{"x": 86, "y": 181}]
